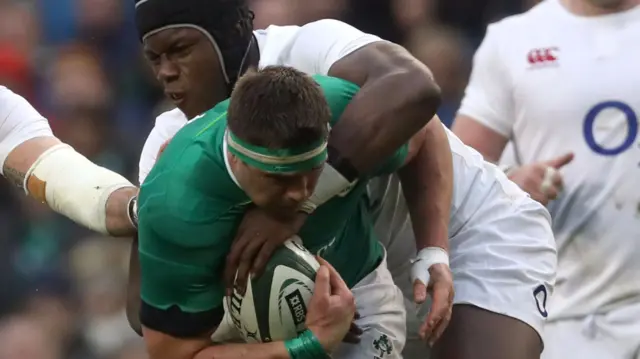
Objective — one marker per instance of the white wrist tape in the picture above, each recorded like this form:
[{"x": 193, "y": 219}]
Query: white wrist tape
[
  {"x": 73, "y": 186},
  {"x": 425, "y": 258},
  {"x": 330, "y": 184}
]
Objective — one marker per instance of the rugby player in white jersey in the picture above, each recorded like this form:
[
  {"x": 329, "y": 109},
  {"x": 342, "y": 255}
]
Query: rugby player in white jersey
[
  {"x": 34, "y": 160},
  {"x": 502, "y": 255},
  {"x": 315, "y": 48},
  {"x": 197, "y": 50},
  {"x": 561, "y": 81}
]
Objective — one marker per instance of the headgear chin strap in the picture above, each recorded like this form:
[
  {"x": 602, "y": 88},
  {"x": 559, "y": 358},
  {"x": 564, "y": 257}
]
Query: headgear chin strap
[{"x": 227, "y": 23}]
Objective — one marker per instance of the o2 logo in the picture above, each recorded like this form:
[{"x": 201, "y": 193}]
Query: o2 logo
[{"x": 632, "y": 127}]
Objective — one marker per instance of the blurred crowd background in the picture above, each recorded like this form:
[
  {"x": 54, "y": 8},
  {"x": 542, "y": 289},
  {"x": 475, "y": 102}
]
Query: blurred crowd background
[{"x": 62, "y": 288}]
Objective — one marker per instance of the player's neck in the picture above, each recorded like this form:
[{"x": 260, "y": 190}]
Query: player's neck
[{"x": 585, "y": 8}]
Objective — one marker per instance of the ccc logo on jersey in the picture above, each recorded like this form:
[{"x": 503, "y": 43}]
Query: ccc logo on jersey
[{"x": 543, "y": 56}]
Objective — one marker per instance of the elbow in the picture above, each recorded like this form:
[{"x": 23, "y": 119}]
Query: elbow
[
  {"x": 417, "y": 91},
  {"x": 428, "y": 95}
]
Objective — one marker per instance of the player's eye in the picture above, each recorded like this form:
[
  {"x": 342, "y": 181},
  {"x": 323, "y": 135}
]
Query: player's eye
[
  {"x": 181, "y": 50},
  {"x": 151, "y": 57}
]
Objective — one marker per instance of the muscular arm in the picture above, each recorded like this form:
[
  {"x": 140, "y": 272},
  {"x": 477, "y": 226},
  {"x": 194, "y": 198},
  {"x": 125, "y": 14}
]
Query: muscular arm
[
  {"x": 398, "y": 96},
  {"x": 421, "y": 185},
  {"x": 163, "y": 346},
  {"x": 20, "y": 161}
]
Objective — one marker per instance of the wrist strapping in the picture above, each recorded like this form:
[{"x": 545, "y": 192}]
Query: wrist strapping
[
  {"x": 73, "y": 186},
  {"x": 305, "y": 346},
  {"x": 425, "y": 258},
  {"x": 337, "y": 176}
]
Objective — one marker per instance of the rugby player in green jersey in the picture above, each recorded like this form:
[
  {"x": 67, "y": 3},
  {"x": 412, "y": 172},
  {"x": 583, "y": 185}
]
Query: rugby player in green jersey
[
  {"x": 198, "y": 48},
  {"x": 264, "y": 147}
]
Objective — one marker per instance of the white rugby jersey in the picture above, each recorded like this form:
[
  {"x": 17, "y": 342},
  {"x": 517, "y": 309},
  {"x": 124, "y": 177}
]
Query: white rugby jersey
[
  {"x": 479, "y": 187},
  {"x": 312, "y": 48},
  {"x": 554, "y": 82},
  {"x": 19, "y": 122}
]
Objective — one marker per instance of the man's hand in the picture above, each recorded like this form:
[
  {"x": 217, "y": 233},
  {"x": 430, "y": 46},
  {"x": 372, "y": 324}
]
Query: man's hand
[
  {"x": 440, "y": 288},
  {"x": 541, "y": 180},
  {"x": 354, "y": 333},
  {"x": 331, "y": 309},
  {"x": 257, "y": 237}
]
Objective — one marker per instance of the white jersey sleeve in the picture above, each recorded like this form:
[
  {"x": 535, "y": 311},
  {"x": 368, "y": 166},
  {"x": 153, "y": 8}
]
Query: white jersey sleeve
[
  {"x": 488, "y": 97},
  {"x": 167, "y": 125},
  {"x": 312, "y": 48},
  {"x": 19, "y": 122}
]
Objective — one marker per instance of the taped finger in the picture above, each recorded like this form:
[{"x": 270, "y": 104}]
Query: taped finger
[{"x": 547, "y": 180}]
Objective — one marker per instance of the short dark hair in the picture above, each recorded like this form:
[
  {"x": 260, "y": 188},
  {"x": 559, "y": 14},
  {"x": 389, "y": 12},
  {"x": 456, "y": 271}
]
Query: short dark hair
[{"x": 278, "y": 107}]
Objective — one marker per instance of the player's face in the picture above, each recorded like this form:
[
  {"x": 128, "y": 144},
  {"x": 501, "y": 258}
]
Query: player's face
[
  {"x": 185, "y": 62},
  {"x": 281, "y": 193}
]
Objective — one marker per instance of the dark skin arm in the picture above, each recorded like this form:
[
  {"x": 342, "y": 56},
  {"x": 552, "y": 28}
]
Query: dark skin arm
[
  {"x": 417, "y": 178},
  {"x": 133, "y": 289},
  {"x": 398, "y": 96},
  {"x": 414, "y": 176}
]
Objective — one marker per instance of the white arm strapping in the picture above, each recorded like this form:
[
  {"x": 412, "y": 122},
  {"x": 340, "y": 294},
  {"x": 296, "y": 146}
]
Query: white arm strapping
[{"x": 74, "y": 186}]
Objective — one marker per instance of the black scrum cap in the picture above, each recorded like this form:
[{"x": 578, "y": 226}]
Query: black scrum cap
[{"x": 227, "y": 23}]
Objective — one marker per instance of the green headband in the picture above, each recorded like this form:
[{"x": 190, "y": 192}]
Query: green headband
[{"x": 284, "y": 160}]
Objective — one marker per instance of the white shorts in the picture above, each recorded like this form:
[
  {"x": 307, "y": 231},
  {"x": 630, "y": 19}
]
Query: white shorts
[
  {"x": 615, "y": 335},
  {"x": 382, "y": 319},
  {"x": 503, "y": 260}
]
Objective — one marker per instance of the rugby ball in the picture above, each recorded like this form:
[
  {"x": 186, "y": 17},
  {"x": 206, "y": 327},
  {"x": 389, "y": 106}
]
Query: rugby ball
[{"x": 274, "y": 306}]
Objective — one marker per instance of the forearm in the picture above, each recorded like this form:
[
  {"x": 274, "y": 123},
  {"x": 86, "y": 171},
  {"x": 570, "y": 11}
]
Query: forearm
[
  {"x": 385, "y": 113},
  {"x": 427, "y": 182},
  {"x": 70, "y": 184},
  {"x": 118, "y": 221},
  {"x": 164, "y": 346},
  {"x": 274, "y": 350}
]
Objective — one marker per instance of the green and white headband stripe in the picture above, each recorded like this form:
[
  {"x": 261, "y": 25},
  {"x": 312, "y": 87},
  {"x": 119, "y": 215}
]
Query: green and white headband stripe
[{"x": 283, "y": 160}]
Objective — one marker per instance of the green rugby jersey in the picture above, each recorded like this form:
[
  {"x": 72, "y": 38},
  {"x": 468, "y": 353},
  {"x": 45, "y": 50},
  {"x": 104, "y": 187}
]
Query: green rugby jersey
[{"x": 190, "y": 208}]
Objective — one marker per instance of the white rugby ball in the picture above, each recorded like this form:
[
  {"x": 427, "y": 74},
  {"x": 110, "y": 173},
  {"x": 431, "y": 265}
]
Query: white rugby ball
[{"x": 274, "y": 306}]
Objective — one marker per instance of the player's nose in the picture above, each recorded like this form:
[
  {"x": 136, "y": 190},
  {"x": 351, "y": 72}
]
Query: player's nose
[
  {"x": 298, "y": 192},
  {"x": 167, "y": 70}
]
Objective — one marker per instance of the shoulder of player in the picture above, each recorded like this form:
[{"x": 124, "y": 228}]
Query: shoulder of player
[
  {"x": 195, "y": 220},
  {"x": 274, "y": 35},
  {"x": 282, "y": 32},
  {"x": 170, "y": 121},
  {"x": 520, "y": 24},
  {"x": 11, "y": 102},
  {"x": 508, "y": 39}
]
